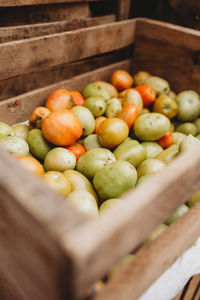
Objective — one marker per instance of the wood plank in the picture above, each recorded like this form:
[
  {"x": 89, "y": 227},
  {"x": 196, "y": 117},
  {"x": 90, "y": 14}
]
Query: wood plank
[
  {"x": 175, "y": 47},
  {"x": 18, "y": 109},
  {"x": 25, "y": 83},
  {"x": 22, "y": 15},
  {"x": 152, "y": 260},
  {"x": 32, "y": 220},
  {"x": 13, "y": 33},
  {"x": 178, "y": 297},
  {"x": 192, "y": 289},
  {"x": 197, "y": 294},
  {"x": 37, "y": 2},
  {"x": 22, "y": 57},
  {"x": 154, "y": 201},
  {"x": 123, "y": 9}
]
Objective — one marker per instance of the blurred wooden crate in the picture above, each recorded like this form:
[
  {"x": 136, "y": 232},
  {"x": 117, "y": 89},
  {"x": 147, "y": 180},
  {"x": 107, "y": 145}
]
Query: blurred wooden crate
[{"x": 47, "y": 249}]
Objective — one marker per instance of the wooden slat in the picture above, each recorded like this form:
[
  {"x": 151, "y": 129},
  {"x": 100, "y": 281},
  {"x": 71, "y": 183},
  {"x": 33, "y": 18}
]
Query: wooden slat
[
  {"x": 13, "y": 33},
  {"x": 152, "y": 260},
  {"x": 174, "y": 46},
  {"x": 22, "y": 15},
  {"x": 18, "y": 109},
  {"x": 197, "y": 294},
  {"x": 192, "y": 289},
  {"x": 123, "y": 9},
  {"x": 5, "y": 3},
  {"x": 178, "y": 297},
  {"x": 32, "y": 222},
  {"x": 27, "y": 56},
  {"x": 25, "y": 83},
  {"x": 154, "y": 201}
]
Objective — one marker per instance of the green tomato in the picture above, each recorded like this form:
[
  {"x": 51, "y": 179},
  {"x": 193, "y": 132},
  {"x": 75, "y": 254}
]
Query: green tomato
[
  {"x": 95, "y": 90},
  {"x": 188, "y": 106},
  {"x": 86, "y": 118},
  {"x": 189, "y": 142},
  {"x": 15, "y": 145},
  {"x": 132, "y": 96},
  {"x": 108, "y": 204},
  {"x": 143, "y": 178},
  {"x": 91, "y": 142},
  {"x": 84, "y": 202},
  {"x": 168, "y": 154},
  {"x": 183, "y": 209},
  {"x": 96, "y": 105},
  {"x": 94, "y": 160},
  {"x": 151, "y": 126},
  {"x": 178, "y": 137},
  {"x": 194, "y": 199},
  {"x": 197, "y": 123},
  {"x": 21, "y": 131},
  {"x": 130, "y": 151},
  {"x": 187, "y": 128},
  {"x": 160, "y": 85},
  {"x": 150, "y": 166},
  {"x": 5, "y": 130},
  {"x": 115, "y": 179},
  {"x": 152, "y": 149},
  {"x": 38, "y": 145},
  {"x": 59, "y": 159},
  {"x": 113, "y": 108}
]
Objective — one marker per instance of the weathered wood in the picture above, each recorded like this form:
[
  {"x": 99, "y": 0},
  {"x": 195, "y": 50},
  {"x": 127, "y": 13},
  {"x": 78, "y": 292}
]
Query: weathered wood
[
  {"x": 197, "y": 293},
  {"x": 25, "y": 56},
  {"x": 18, "y": 109},
  {"x": 192, "y": 288},
  {"x": 154, "y": 201},
  {"x": 152, "y": 260},
  {"x": 25, "y": 83},
  {"x": 32, "y": 220},
  {"x": 168, "y": 52},
  {"x": 36, "y": 2},
  {"x": 13, "y": 33},
  {"x": 23, "y": 15},
  {"x": 123, "y": 9}
]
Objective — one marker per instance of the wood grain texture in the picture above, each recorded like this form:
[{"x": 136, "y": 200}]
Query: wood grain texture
[
  {"x": 193, "y": 287},
  {"x": 114, "y": 229},
  {"x": 18, "y": 109},
  {"x": 169, "y": 52},
  {"x": 123, "y": 9},
  {"x": 36, "y": 2},
  {"x": 25, "y": 83},
  {"x": 153, "y": 259},
  {"x": 32, "y": 222},
  {"x": 23, "y": 15},
  {"x": 13, "y": 33},
  {"x": 26, "y": 56}
]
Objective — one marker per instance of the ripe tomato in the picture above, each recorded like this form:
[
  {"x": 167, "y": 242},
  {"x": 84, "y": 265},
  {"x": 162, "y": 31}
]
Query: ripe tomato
[
  {"x": 77, "y": 98},
  {"x": 59, "y": 99},
  {"x": 129, "y": 114},
  {"x": 31, "y": 164},
  {"x": 77, "y": 149},
  {"x": 166, "y": 140},
  {"x": 38, "y": 114},
  {"x": 122, "y": 80},
  {"x": 147, "y": 93}
]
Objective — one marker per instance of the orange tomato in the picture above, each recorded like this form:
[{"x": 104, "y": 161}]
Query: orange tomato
[
  {"x": 165, "y": 105},
  {"x": 31, "y": 164},
  {"x": 147, "y": 93},
  {"x": 166, "y": 140},
  {"x": 112, "y": 132},
  {"x": 62, "y": 128},
  {"x": 77, "y": 98},
  {"x": 122, "y": 80},
  {"x": 59, "y": 99},
  {"x": 38, "y": 114},
  {"x": 77, "y": 149},
  {"x": 129, "y": 114},
  {"x": 98, "y": 122}
]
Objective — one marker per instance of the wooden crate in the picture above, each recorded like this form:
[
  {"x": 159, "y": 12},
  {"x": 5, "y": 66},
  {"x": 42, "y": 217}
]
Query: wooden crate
[
  {"x": 47, "y": 249},
  {"x": 34, "y": 19}
]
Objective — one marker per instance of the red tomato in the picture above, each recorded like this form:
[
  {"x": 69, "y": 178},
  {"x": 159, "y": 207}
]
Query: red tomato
[
  {"x": 77, "y": 98},
  {"x": 147, "y": 93},
  {"x": 77, "y": 149},
  {"x": 129, "y": 114},
  {"x": 166, "y": 140}
]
